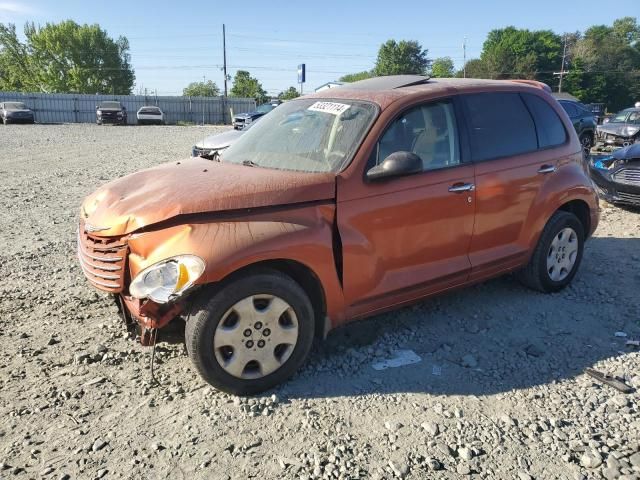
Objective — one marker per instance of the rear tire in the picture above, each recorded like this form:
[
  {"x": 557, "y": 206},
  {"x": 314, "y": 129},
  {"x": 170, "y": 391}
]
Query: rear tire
[
  {"x": 557, "y": 255},
  {"x": 239, "y": 341}
]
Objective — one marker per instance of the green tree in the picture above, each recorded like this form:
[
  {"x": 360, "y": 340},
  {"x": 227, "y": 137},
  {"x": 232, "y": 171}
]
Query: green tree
[
  {"x": 442, "y": 68},
  {"x": 604, "y": 64},
  {"x": 289, "y": 93},
  {"x": 244, "y": 85},
  {"x": 475, "y": 68},
  {"x": 354, "y": 77},
  {"x": 519, "y": 53},
  {"x": 201, "y": 89},
  {"x": 65, "y": 57},
  {"x": 403, "y": 57}
]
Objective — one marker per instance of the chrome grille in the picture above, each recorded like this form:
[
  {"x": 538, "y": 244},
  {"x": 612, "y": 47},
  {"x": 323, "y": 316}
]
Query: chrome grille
[
  {"x": 633, "y": 198},
  {"x": 103, "y": 260},
  {"x": 628, "y": 176}
]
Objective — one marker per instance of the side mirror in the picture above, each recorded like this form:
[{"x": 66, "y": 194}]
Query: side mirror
[
  {"x": 97, "y": 107},
  {"x": 396, "y": 165}
]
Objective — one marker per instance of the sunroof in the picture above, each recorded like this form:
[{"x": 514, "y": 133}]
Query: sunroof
[{"x": 388, "y": 82}]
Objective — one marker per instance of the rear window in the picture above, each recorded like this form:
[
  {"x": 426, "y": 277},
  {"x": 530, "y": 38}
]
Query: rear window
[
  {"x": 550, "y": 129},
  {"x": 499, "y": 125}
]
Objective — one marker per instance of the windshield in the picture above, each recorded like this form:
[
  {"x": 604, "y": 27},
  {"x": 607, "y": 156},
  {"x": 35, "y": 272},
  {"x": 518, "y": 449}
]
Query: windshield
[
  {"x": 110, "y": 105},
  {"x": 619, "y": 117},
  {"x": 306, "y": 135},
  {"x": 266, "y": 108},
  {"x": 14, "y": 106}
]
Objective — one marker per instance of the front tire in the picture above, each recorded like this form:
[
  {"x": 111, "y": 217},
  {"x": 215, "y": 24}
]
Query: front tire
[
  {"x": 557, "y": 255},
  {"x": 251, "y": 334},
  {"x": 586, "y": 141}
]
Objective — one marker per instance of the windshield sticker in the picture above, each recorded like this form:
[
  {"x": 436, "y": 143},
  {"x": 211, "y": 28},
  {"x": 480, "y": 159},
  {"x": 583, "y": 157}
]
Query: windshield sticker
[{"x": 329, "y": 107}]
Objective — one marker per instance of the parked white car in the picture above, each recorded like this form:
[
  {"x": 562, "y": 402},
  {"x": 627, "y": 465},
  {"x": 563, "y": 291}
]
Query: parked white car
[{"x": 150, "y": 115}]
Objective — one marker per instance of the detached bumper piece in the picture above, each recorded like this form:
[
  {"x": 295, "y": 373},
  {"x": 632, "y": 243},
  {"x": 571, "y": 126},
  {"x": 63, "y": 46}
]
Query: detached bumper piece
[{"x": 149, "y": 316}]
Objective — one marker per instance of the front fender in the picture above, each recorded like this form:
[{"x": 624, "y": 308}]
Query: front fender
[{"x": 303, "y": 235}]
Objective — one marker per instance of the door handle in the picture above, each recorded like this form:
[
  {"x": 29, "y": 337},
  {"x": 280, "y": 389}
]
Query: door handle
[
  {"x": 462, "y": 187},
  {"x": 547, "y": 169}
]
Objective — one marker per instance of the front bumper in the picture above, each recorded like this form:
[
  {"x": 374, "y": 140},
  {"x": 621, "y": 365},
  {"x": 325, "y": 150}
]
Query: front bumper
[
  {"x": 146, "y": 316},
  {"x": 112, "y": 120},
  {"x": 614, "y": 192},
  {"x": 20, "y": 119},
  {"x": 613, "y": 140}
]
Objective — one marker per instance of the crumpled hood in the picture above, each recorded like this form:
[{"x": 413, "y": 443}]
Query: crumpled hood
[
  {"x": 614, "y": 128},
  {"x": 193, "y": 186}
]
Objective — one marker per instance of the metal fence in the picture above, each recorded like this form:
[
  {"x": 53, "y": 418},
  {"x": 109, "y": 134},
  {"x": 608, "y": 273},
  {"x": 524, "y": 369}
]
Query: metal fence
[{"x": 81, "y": 108}]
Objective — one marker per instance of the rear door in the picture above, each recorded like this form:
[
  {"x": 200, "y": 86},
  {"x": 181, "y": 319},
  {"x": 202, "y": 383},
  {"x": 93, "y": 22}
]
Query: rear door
[{"x": 512, "y": 159}]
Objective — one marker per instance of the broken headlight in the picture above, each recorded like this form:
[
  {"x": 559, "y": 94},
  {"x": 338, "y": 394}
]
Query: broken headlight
[{"x": 168, "y": 279}]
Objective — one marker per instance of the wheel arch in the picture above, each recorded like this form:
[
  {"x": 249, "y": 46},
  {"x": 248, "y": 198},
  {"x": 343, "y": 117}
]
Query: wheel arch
[
  {"x": 301, "y": 274},
  {"x": 581, "y": 210}
]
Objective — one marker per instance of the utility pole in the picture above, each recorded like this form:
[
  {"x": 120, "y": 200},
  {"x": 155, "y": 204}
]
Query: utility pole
[
  {"x": 464, "y": 58},
  {"x": 562, "y": 73},
  {"x": 224, "y": 68},
  {"x": 204, "y": 84}
]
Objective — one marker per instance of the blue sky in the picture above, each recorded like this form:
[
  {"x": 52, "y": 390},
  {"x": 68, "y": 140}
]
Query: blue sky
[{"x": 174, "y": 43}]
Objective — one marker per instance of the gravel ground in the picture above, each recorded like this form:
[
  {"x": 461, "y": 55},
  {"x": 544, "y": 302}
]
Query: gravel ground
[{"x": 499, "y": 391}]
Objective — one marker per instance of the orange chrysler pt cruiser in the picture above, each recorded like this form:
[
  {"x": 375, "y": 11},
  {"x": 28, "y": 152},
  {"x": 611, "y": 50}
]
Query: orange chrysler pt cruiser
[{"x": 337, "y": 206}]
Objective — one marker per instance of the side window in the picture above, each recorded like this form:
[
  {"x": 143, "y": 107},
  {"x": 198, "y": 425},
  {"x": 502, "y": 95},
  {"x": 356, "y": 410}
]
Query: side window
[
  {"x": 550, "y": 129},
  {"x": 571, "y": 110},
  {"x": 634, "y": 118},
  {"x": 429, "y": 131},
  {"x": 499, "y": 126}
]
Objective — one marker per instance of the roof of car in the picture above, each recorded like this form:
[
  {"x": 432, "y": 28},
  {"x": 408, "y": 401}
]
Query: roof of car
[{"x": 388, "y": 89}]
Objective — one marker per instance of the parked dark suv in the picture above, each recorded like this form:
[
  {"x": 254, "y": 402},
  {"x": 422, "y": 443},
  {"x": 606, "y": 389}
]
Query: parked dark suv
[
  {"x": 111, "y": 111},
  {"x": 583, "y": 121}
]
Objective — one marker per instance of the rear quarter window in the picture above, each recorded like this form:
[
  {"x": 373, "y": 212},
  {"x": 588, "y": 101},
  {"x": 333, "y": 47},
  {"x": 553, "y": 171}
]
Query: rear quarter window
[
  {"x": 500, "y": 125},
  {"x": 550, "y": 128}
]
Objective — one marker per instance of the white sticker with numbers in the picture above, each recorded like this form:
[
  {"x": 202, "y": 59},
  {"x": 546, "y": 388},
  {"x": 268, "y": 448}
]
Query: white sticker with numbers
[{"x": 329, "y": 107}]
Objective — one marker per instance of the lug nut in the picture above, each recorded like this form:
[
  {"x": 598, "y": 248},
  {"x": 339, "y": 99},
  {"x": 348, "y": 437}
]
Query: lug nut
[
  {"x": 247, "y": 332},
  {"x": 261, "y": 343},
  {"x": 266, "y": 332},
  {"x": 258, "y": 325},
  {"x": 249, "y": 344}
]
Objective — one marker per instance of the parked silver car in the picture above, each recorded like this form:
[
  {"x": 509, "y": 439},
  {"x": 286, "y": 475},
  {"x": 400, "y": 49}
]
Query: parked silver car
[
  {"x": 622, "y": 129},
  {"x": 16, "y": 112},
  {"x": 214, "y": 144}
]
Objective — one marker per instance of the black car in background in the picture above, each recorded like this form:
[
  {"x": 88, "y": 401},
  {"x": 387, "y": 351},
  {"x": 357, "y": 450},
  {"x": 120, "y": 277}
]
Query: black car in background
[
  {"x": 16, "y": 112},
  {"x": 617, "y": 177},
  {"x": 583, "y": 121},
  {"x": 622, "y": 129},
  {"x": 111, "y": 111},
  {"x": 243, "y": 120}
]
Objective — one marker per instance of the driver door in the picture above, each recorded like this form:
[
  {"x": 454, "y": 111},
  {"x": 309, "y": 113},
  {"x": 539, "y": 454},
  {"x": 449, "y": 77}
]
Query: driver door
[{"x": 406, "y": 237}]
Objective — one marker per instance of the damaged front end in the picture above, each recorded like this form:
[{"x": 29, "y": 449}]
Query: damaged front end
[
  {"x": 147, "y": 298},
  {"x": 617, "y": 177}
]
